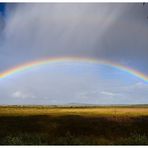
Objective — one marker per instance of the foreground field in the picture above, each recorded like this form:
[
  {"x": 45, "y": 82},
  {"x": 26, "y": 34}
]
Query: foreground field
[{"x": 73, "y": 125}]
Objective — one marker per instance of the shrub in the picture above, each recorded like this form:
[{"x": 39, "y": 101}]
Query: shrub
[{"x": 134, "y": 139}]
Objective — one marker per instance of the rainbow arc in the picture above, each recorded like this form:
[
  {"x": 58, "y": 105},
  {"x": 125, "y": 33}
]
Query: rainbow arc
[{"x": 30, "y": 65}]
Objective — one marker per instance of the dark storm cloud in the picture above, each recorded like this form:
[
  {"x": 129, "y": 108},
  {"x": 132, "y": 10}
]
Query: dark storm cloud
[
  {"x": 33, "y": 31},
  {"x": 125, "y": 40},
  {"x": 114, "y": 31}
]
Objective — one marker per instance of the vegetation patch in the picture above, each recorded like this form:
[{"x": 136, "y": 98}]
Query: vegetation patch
[{"x": 73, "y": 126}]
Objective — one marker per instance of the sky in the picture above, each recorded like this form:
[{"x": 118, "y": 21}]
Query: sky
[{"x": 113, "y": 32}]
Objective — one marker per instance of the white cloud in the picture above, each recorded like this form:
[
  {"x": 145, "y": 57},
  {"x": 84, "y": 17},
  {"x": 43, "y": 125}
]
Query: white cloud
[
  {"x": 108, "y": 93},
  {"x": 22, "y": 95}
]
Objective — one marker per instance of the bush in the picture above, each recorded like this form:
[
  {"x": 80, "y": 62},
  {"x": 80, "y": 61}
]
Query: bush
[
  {"x": 134, "y": 139},
  {"x": 24, "y": 139}
]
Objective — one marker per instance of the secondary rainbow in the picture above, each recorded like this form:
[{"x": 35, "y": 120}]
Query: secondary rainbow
[{"x": 30, "y": 65}]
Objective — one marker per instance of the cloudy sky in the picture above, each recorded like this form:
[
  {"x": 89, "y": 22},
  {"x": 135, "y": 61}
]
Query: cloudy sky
[{"x": 109, "y": 31}]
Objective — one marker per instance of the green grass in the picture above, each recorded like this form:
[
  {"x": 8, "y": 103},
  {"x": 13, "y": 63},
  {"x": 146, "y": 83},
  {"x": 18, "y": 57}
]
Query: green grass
[{"x": 43, "y": 125}]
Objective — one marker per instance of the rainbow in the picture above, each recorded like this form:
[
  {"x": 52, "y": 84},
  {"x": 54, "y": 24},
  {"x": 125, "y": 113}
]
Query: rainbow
[{"x": 30, "y": 65}]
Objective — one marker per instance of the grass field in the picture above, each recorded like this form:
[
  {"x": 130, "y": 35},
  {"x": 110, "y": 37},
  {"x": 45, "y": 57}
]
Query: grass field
[{"x": 43, "y": 125}]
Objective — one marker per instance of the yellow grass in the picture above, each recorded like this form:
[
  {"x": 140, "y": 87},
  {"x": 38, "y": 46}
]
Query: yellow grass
[{"x": 88, "y": 111}]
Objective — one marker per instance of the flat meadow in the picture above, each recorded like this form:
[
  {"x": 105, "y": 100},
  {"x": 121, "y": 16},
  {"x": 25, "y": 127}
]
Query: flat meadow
[{"x": 74, "y": 125}]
